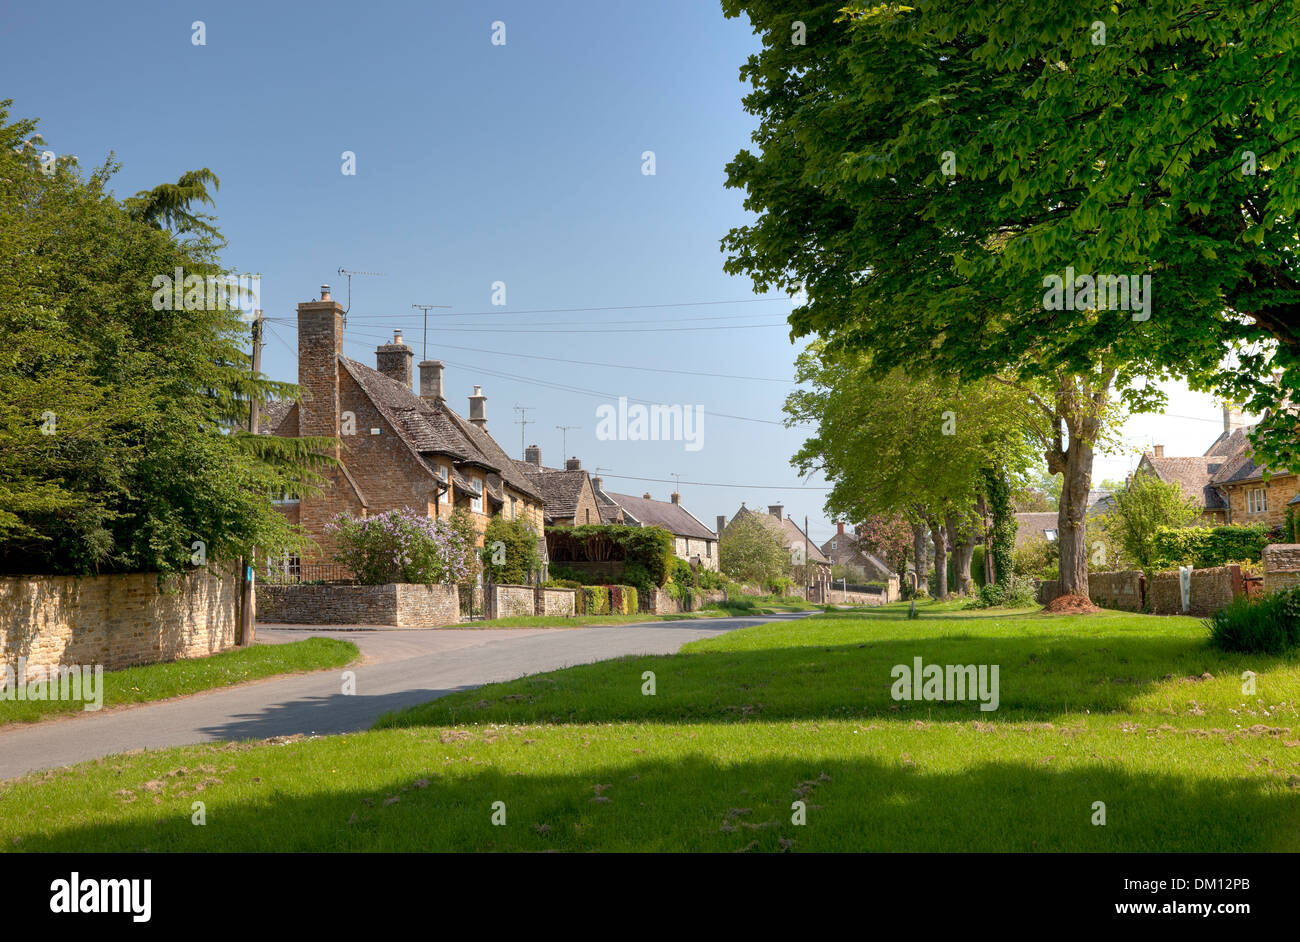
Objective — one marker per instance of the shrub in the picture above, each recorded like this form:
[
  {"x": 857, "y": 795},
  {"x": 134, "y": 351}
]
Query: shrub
[
  {"x": 401, "y": 546},
  {"x": 1036, "y": 558},
  {"x": 517, "y": 552},
  {"x": 595, "y": 600},
  {"x": 1270, "y": 625},
  {"x": 1204, "y": 547},
  {"x": 649, "y": 547},
  {"x": 1021, "y": 593}
]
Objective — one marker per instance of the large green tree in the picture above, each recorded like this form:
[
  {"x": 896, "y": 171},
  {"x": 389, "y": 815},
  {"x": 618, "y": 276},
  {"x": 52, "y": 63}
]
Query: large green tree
[
  {"x": 925, "y": 172},
  {"x": 122, "y": 440}
]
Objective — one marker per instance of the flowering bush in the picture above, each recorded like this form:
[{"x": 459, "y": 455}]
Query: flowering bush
[{"x": 402, "y": 546}]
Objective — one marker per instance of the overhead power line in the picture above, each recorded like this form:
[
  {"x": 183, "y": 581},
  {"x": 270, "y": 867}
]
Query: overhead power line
[
  {"x": 758, "y": 487},
  {"x": 615, "y": 307}
]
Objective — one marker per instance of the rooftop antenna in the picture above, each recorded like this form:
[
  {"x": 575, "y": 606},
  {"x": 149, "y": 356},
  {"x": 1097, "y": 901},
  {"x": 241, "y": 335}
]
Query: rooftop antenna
[
  {"x": 677, "y": 478},
  {"x": 523, "y": 422},
  {"x": 564, "y": 437},
  {"x": 427, "y": 308},
  {"x": 344, "y": 271}
]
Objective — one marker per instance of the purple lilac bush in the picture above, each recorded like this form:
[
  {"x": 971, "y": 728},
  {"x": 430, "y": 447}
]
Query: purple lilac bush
[{"x": 401, "y": 546}]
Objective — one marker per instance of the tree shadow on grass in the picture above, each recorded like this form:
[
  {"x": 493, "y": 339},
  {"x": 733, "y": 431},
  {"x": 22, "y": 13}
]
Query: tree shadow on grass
[
  {"x": 1039, "y": 679},
  {"x": 694, "y": 804}
]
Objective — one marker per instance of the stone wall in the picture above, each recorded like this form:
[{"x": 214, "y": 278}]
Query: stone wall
[
  {"x": 1281, "y": 566},
  {"x": 1211, "y": 590},
  {"x": 662, "y": 603},
  {"x": 399, "y": 605},
  {"x": 1121, "y": 590},
  {"x": 117, "y": 621},
  {"x": 509, "y": 601},
  {"x": 555, "y": 602}
]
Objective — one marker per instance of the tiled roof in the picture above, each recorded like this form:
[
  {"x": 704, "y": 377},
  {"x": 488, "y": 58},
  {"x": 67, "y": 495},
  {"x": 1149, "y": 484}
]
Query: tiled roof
[
  {"x": 272, "y": 414},
  {"x": 560, "y": 489},
  {"x": 434, "y": 428},
  {"x": 674, "y": 518},
  {"x": 1195, "y": 475},
  {"x": 1032, "y": 526}
]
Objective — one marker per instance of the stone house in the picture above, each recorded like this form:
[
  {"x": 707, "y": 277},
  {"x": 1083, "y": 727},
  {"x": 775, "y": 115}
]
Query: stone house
[
  {"x": 692, "y": 540},
  {"x": 1226, "y": 482},
  {"x": 568, "y": 493},
  {"x": 792, "y": 537},
  {"x": 396, "y": 448},
  {"x": 860, "y": 564}
]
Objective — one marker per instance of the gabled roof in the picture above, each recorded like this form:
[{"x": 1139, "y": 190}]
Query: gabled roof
[
  {"x": 1034, "y": 525},
  {"x": 674, "y": 518},
  {"x": 1195, "y": 475},
  {"x": 273, "y": 414},
  {"x": 560, "y": 489}
]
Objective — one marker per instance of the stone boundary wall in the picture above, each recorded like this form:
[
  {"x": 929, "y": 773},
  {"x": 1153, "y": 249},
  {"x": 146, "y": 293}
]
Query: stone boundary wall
[
  {"x": 1211, "y": 590},
  {"x": 1281, "y": 566},
  {"x": 403, "y": 605},
  {"x": 664, "y": 604},
  {"x": 509, "y": 601},
  {"x": 1162, "y": 594},
  {"x": 400, "y": 605},
  {"x": 119, "y": 620}
]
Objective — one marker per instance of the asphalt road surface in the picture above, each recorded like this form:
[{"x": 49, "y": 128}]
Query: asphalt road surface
[{"x": 398, "y": 668}]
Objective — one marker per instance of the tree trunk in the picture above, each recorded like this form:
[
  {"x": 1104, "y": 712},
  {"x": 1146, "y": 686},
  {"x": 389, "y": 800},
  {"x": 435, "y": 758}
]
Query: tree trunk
[
  {"x": 918, "y": 551},
  {"x": 1071, "y": 534},
  {"x": 940, "y": 536},
  {"x": 962, "y": 541}
]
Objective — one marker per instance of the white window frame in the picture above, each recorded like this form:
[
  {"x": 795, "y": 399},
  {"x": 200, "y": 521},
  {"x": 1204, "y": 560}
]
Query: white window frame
[
  {"x": 1257, "y": 500},
  {"x": 476, "y": 503}
]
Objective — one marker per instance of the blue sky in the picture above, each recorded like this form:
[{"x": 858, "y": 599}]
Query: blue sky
[{"x": 475, "y": 163}]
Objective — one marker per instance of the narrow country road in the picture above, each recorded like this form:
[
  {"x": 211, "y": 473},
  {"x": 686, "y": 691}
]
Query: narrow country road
[{"x": 398, "y": 668}]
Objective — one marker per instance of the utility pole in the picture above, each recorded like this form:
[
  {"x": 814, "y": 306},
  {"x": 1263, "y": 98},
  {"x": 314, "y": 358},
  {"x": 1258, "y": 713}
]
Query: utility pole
[
  {"x": 523, "y": 422},
  {"x": 564, "y": 438},
  {"x": 426, "y": 308},
  {"x": 247, "y": 596},
  {"x": 807, "y": 562}
]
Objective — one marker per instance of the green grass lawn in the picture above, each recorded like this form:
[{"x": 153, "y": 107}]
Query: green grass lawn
[
  {"x": 177, "y": 678},
  {"x": 1134, "y": 711}
]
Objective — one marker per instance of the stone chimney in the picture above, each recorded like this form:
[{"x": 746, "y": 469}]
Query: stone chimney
[
  {"x": 431, "y": 380},
  {"x": 394, "y": 360},
  {"x": 777, "y": 511},
  {"x": 675, "y": 498},
  {"x": 646, "y": 496},
  {"x": 598, "y": 483},
  {"x": 533, "y": 455},
  {"x": 1233, "y": 418},
  {"x": 320, "y": 342},
  {"x": 1159, "y": 450},
  {"x": 722, "y": 523},
  {"x": 839, "y": 528},
  {"x": 478, "y": 408},
  {"x": 572, "y": 464}
]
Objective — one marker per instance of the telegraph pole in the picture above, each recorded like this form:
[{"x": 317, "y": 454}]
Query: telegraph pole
[
  {"x": 254, "y": 411},
  {"x": 564, "y": 438},
  {"x": 247, "y": 596},
  {"x": 523, "y": 422},
  {"x": 426, "y": 308}
]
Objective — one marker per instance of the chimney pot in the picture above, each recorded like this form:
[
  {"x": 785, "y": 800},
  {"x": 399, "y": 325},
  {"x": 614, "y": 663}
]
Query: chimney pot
[
  {"x": 325, "y": 292},
  {"x": 1160, "y": 451}
]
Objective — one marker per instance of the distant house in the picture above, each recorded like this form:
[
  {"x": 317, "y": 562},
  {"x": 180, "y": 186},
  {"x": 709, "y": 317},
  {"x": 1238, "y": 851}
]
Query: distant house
[
  {"x": 1036, "y": 526},
  {"x": 860, "y": 564},
  {"x": 791, "y": 536},
  {"x": 568, "y": 494},
  {"x": 1226, "y": 482},
  {"x": 395, "y": 448},
  {"x": 692, "y": 540}
]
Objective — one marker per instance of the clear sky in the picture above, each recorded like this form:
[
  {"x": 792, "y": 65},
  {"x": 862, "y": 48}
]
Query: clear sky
[{"x": 476, "y": 163}]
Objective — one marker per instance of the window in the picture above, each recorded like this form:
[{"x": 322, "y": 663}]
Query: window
[
  {"x": 832, "y": 544},
  {"x": 708, "y": 548},
  {"x": 588, "y": 513},
  {"x": 1256, "y": 501},
  {"x": 284, "y": 497},
  {"x": 476, "y": 501}
]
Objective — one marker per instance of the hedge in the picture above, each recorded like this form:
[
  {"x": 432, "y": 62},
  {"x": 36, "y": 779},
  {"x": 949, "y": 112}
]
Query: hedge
[
  {"x": 648, "y": 547},
  {"x": 606, "y": 600},
  {"x": 1204, "y": 547}
]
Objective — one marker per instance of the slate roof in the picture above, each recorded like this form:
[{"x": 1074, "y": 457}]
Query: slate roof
[
  {"x": 1034, "y": 525},
  {"x": 674, "y": 518},
  {"x": 1195, "y": 475},
  {"x": 430, "y": 429},
  {"x": 273, "y": 414},
  {"x": 560, "y": 489}
]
